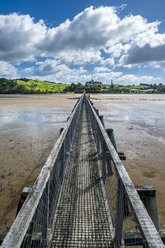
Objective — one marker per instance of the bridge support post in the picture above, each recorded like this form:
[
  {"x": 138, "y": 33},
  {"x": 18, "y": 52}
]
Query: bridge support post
[
  {"x": 148, "y": 196},
  {"x": 61, "y": 129},
  {"x": 112, "y": 137},
  {"x": 97, "y": 111},
  {"x": 101, "y": 117},
  {"x": 26, "y": 191}
]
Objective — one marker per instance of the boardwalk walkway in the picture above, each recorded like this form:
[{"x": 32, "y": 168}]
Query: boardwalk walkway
[{"x": 82, "y": 217}]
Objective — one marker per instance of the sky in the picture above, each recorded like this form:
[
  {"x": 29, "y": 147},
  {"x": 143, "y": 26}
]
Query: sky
[{"x": 77, "y": 41}]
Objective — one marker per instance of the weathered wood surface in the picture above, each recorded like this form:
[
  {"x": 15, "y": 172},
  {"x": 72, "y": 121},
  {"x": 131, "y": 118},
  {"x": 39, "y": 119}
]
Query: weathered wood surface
[{"x": 82, "y": 218}]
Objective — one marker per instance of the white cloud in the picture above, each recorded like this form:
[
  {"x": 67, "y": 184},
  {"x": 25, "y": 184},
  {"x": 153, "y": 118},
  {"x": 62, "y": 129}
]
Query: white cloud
[
  {"x": 92, "y": 30},
  {"x": 7, "y": 70},
  {"x": 129, "y": 78},
  {"x": 28, "y": 70},
  {"x": 109, "y": 61},
  {"x": 147, "y": 47},
  {"x": 101, "y": 69},
  {"x": 19, "y": 36},
  {"x": 157, "y": 64},
  {"x": 54, "y": 71},
  {"x": 75, "y": 41},
  {"x": 79, "y": 57},
  {"x": 127, "y": 41},
  {"x": 105, "y": 76}
]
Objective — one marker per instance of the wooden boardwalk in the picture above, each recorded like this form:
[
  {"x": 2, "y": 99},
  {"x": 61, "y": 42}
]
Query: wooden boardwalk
[{"x": 82, "y": 218}]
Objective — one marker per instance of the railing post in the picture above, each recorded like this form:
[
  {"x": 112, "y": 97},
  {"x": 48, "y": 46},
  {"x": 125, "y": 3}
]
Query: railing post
[
  {"x": 98, "y": 141},
  {"x": 45, "y": 211},
  {"x": 109, "y": 165},
  {"x": 62, "y": 162},
  {"x": 119, "y": 214},
  {"x": 103, "y": 148}
]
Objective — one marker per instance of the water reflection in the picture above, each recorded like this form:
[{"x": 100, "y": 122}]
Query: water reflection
[
  {"x": 14, "y": 117},
  {"x": 146, "y": 112}
]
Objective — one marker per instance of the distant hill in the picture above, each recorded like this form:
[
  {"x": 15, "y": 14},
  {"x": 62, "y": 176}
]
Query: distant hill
[{"x": 27, "y": 86}]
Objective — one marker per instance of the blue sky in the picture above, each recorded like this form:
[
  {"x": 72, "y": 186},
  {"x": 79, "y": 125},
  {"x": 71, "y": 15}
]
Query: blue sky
[{"x": 75, "y": 41}]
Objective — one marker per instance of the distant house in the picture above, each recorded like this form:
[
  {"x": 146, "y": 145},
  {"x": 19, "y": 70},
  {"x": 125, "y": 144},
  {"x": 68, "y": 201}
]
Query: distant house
[
  {"x": 134, "y": 90},
  {"x": 142, "y": 91},
  {"x": 149, "y": 91}
]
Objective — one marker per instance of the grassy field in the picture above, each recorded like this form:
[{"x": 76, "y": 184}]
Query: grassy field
[
  {"x": 30, "y": 86},
  {"x": 42, "y": 86}
]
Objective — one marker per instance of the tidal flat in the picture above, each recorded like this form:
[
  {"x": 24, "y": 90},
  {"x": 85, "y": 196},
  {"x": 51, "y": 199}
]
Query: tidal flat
[
  {"x": 138, "y": 122},
  {"x": 29, "y": 128},
  {"x": 30, "y": 125}
]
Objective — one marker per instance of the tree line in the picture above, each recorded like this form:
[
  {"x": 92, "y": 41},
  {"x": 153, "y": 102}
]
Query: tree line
[{"x": 28, "y": 86}]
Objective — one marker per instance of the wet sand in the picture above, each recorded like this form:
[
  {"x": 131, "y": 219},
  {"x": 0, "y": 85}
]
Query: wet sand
[
  {"x": 29, "y": 127},
  {"x": 139, "y": 127}
]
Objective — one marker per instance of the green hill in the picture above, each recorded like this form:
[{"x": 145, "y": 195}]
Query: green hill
[{"x": 26, "y": 86}]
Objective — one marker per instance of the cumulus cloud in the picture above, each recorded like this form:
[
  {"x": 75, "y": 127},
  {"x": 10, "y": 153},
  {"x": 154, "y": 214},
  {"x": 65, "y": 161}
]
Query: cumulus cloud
[
  {"x": 106, "y": 77},
  {"x": 147, "y": 47},
  {"x": 147, "y": 53},
  {"x": 79, "y": 57},
  {"x": 101, "y": 69},
  {"x": 129, "y": 78},
  {"x": 94, "y": 36},
  {"x": 28, "y": 70},
  {"x": 109, "y": 61},
  {"x": 94, "y": 28},
  {"x": 7, "y": 70},
  {"x": 55, "y": 71},
  {"x": 19, "y": 36}
]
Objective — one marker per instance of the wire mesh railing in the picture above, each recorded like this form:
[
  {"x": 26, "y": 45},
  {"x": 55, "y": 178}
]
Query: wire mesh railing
[
  {"x": 33, "y": 224},
  {"x": 131, "y": 224}
]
